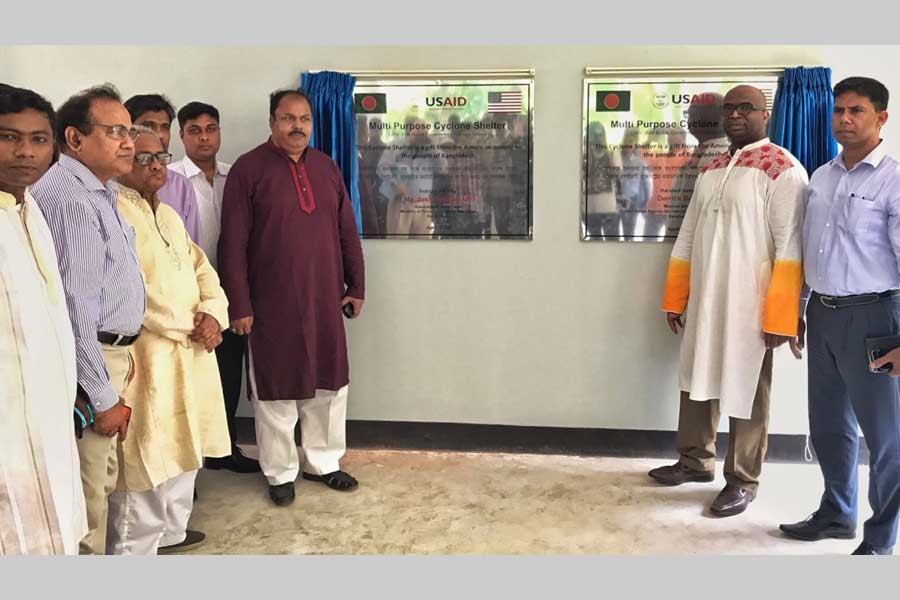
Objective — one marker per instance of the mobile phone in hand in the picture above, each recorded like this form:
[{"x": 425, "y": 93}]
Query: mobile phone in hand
[
  {"x": 878, "y": 347},
  {"x": 886, "y": 367},
  {"x": 347, "y": 309},
  {"x": 79, "y": 425}
]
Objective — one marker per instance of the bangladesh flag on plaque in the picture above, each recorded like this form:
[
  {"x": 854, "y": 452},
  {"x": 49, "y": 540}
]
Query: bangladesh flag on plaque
[
  {"x": 370, "y": 103},
  {"x": 613, "y": 101}
]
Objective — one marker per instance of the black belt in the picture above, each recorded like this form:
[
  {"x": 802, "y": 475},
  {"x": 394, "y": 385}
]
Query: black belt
[
  {"x": 857, "y": 300},
  {"x": 116, "y": 339}
]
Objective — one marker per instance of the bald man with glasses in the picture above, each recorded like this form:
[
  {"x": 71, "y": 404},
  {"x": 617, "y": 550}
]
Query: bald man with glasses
[{"x": 733, "y": 285}]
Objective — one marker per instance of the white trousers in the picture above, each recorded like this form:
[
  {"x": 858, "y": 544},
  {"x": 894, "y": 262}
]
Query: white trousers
[
  {"x": 323, "y": 423},
  {"x": 141, "y": 522}
]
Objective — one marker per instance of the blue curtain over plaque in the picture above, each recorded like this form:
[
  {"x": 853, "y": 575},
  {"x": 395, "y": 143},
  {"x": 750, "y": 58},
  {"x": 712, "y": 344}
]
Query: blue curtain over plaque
[
  {"x": 334, "y": 126},
  {"x": 801, "y": 116}
]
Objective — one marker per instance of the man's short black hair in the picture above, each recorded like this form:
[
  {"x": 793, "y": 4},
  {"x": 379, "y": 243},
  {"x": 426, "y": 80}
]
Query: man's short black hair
[
  {"x": 275, "y": 99},
  {"x": 141, "y": 103},
  {"x": 15, "y": 100},
  {"x": 870, "y": 88},
  {"x": 193, "y": 110},
  {"x": 76, "y": 111}
]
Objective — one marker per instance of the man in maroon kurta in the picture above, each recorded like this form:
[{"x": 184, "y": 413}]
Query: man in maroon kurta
[{"x": 290, "y": 259}]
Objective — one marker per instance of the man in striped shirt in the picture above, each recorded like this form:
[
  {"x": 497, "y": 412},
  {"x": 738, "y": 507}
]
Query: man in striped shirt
[{"x": 101, "y": 277}]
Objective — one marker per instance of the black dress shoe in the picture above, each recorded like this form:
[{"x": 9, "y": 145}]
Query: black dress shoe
[
  {"x": 223, "y": 462},
  {"x": 817, "y": 528},
  {"x": 868, "y": 549},
  {"x": 679, "y": 473},
  {"x": 283, "y": 494},
  {"x": 192, "y": 539},
  {"x": 237, "y": 462},
  {"x": 732, "y": 500},
  {"x": 244, "y": 464}
]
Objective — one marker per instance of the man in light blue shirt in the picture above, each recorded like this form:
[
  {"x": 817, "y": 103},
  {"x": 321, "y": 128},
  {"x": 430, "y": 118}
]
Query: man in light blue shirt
[{"x": 851, "y": 250}]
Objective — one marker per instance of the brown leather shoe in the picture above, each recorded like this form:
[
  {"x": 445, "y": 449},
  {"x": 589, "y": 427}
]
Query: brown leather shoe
[
  {"x": 732, "y": 500},
  {"x": 679, "y": 473}
]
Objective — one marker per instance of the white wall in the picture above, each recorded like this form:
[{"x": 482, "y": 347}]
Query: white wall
[{"x": 555, "y": 331}]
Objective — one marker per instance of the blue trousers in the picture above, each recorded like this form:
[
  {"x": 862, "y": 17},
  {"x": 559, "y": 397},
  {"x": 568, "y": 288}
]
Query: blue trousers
[{"x": 844, "y": 393}]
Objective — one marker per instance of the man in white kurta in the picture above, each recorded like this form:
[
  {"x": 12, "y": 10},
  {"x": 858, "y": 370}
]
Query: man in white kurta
[
  {"x": 176, "y": 397},
  {"x": 41, "y": 499},
  {"x": 735, "y": 278}
]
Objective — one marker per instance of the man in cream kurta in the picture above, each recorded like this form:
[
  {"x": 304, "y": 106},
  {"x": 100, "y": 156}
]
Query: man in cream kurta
[
  {"x": 176, "y": 395},
  {"x": 41, "y": 499},
  {"x": 735, "y": 274}
]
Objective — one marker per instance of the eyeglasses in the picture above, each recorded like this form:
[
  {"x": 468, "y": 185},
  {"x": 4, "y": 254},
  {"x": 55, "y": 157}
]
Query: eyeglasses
[
  {"x": 116, "y": 132},
  {"x": 744, "y": 108},
  {"x": 146, "y": 158},
  {"x": 210, "y": 130},
  {"x": 291, "y": 119},
  {"x": 156, "y": 126}
]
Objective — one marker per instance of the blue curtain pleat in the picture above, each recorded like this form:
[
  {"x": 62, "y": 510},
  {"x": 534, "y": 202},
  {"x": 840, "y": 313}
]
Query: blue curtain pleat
[
  {"x": 334, "y": 126},
  {"x": 801, "y": 116}
]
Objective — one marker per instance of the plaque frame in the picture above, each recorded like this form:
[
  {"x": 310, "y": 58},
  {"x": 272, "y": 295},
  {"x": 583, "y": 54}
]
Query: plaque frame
[
  {"x": 448, "y": 78},
  {"x": 767, "y": 77}
]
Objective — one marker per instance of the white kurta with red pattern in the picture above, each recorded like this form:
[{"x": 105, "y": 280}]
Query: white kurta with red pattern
[{"x": 735, "y": 271}]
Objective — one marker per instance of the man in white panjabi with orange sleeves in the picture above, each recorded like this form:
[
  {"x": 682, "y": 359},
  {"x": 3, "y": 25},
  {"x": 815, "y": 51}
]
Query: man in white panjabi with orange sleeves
[{"x": 735, "y": 276}]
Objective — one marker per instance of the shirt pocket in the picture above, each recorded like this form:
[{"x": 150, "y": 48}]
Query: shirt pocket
[{"x": 865, "y": 215}]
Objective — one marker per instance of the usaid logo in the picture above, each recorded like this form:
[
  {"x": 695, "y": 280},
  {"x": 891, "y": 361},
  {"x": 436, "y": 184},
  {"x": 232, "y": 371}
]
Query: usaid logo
[
  {"x": 696, "y": 99},
  {"x": 660, "y": 101},
  {"x": 446, "y": 101}
]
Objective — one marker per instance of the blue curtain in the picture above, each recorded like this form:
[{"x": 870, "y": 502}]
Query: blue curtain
[
  {"x": 801, "y": 116},
  {"x": 334, "y": 126}
]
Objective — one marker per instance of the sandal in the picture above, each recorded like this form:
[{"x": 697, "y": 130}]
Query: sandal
[{"x": 338, "y": 480}]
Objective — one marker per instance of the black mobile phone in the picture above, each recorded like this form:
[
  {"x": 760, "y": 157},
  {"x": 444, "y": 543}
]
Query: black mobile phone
[
  {"x": 878, "y": 347},
  {"x": 876, "y": 354},
  {"x": 79, "y": 425},
  {"x": 347, "y": 309}
]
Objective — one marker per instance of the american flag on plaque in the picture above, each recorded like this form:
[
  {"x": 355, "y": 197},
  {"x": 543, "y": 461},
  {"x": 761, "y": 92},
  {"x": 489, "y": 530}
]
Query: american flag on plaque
[{"x": 504, "y": 102}]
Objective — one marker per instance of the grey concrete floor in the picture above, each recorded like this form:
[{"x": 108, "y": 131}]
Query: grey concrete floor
[{"x": 411, "y": 502}]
